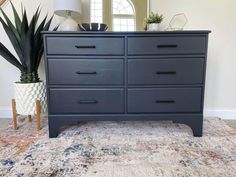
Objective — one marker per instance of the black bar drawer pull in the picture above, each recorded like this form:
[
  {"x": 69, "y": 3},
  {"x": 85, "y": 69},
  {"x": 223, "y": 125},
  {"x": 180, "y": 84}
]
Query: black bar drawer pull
[
  {"x": 166, "y": 72},
  {"x": 88, "y": 102},
  {"x": 85, "y": 46},
  {"x": 167, "y": 46},
  {"x": 165, "y": 101},
  {"x": 86, "y": 72}
]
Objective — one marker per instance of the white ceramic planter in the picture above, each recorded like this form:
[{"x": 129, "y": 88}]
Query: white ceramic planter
[
  {"x": 26, "y": 96},
  {"x": 154, "y": 27}
]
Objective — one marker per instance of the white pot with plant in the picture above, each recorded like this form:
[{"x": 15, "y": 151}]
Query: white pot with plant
[
  {"x": 27, "y": 41},
  {"x": 153, "y": 22}
]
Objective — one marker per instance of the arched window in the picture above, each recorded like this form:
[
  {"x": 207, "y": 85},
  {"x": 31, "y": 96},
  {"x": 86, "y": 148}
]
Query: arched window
[
  {"x": 119, "y": 15},
  {"x": 123, "y": 15}
]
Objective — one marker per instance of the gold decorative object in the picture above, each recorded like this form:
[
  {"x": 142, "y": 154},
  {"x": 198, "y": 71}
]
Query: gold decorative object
[{"x": 177, "y": 22}]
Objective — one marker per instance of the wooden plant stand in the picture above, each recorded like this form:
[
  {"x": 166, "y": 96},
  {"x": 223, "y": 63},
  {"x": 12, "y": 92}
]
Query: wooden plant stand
[{"x": 15, "y": 114}]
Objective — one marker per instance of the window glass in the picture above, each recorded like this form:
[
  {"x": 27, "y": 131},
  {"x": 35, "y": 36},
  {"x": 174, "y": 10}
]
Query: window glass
[{"x": 96, "y": 11}]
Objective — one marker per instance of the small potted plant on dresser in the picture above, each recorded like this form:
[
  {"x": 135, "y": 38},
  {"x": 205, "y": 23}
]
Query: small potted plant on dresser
[
  {"x": 27, "y": 41},
  {"x": 153, "y": 22}
]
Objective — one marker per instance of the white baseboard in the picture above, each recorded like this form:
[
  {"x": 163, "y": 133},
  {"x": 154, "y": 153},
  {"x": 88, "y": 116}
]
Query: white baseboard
[
  {"x": 228, "y": 114},
  {"x": 5, "y": 112}
]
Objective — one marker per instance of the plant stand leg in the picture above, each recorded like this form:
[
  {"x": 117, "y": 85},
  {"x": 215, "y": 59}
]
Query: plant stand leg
[
  {"x": 30, "y": 118},
  {"x": 38, "y": 111},
  {"x": 14, "y": 114}
]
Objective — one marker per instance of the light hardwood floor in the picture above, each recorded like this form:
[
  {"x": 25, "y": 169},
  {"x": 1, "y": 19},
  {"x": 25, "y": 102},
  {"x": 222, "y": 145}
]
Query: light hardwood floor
[{"x": 6, "y": 122}]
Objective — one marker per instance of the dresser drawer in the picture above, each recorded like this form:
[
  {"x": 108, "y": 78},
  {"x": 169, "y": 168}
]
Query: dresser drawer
[
  {"x": 165, "y": 71},
  {"x": 166, "y": 45},
  {"x": 85, "y": 45},
  {"x": 82, "y": 101},
  {"x": 164, "y": 100},
  {"x": 86, "y": 71}
]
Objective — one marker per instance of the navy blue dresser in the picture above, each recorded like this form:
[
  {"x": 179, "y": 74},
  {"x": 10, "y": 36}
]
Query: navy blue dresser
[{"x": 125, "y": 76}]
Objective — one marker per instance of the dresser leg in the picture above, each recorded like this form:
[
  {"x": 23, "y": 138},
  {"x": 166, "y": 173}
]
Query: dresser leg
[
  {"x": 53, "y": 133},
  {"x": 196, "y": 128},
  {"x": 53, "y": 128},
  {"x": 197, "y": 132},
  {"x": 195, "y": 123}
]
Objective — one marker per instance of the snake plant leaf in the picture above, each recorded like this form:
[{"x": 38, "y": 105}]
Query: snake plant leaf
[
  {"x": 32, "y": 38},
  {"x": 24, "y": 29},
  {"x": 40, "y": 55},
  {"x": 13, "y": 39},
  {"x": 56, "y": 28},
  {"x": 41, "y": 26},
  {"x": 14, "y": 32},
  {"x": 11, "y": 26},
  {"x": 38, "y": 35},
  {"x": 22, "y": 9},
  {"x": 28, "y": 42},
  {"x": 46, "y": 27},
  {"x": 37, "y": 13},
  {"x": 24, "y": 24},
  {"x": 41, "y": 39},
  {"x": 42, "y": 49},
  {"x": 5, "y": 53},
  {"x": 38, "y": 42},
  {"x": 17, "y": 19}
]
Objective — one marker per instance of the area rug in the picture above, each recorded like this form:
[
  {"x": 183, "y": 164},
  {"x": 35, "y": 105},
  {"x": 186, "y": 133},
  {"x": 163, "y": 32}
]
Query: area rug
[{"x": 119, "y": 149}]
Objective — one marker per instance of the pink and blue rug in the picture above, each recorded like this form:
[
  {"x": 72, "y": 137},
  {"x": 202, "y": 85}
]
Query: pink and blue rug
[{"x": 119, "y": 149}]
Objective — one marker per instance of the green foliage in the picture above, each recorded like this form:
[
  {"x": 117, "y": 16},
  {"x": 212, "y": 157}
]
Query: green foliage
[
  {"x": 27, "y": 41},
  {"x": 154, "y": 18}
]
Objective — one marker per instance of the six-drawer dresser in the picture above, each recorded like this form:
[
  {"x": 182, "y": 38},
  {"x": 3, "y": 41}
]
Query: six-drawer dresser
[{"x": 125, "y": 76}]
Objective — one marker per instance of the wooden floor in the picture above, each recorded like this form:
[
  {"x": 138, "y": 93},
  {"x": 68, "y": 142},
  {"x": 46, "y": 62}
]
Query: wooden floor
[{"x": 6, "y": 122}]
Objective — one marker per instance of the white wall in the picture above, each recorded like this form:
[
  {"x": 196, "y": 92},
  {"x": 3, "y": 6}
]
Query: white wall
[{"x": 216, "y": 15}]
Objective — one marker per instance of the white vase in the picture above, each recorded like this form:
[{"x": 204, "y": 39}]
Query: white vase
[
  {"x": 154, "y": 27},
  {"x": 26, "y": 96}
]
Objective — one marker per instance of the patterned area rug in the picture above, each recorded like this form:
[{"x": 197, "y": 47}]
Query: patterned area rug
[{"x": 119, "y": 149}]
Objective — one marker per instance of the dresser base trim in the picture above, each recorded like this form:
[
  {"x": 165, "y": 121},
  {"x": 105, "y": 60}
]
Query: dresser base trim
[{"x": 194, "y": 121}]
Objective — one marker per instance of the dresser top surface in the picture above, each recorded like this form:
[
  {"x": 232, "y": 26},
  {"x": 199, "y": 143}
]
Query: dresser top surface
[{"x": 129, "y": 33}]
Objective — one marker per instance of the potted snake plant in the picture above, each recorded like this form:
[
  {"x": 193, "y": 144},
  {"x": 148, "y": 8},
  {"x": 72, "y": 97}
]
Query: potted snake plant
[
  {"x": 27, "y": 41},
  {"x": 153, "y": 22}
]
